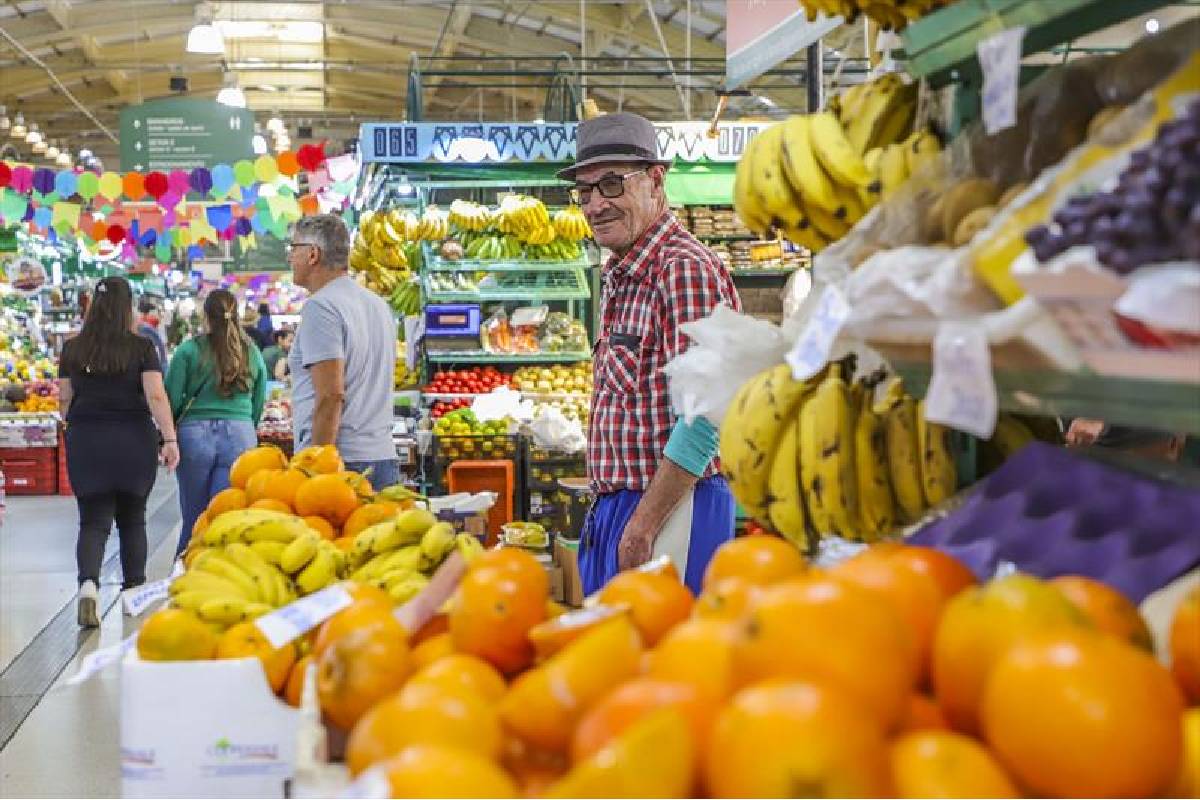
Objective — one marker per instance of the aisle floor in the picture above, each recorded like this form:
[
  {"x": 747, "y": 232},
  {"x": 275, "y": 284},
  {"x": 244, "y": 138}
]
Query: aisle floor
[{"x": 58, "y": 740}]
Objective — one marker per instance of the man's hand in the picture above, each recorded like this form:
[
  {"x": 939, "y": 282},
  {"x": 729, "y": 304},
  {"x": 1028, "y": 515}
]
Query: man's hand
[
  {"x": 636, "y": 546},
  {"x": 1084, "y": 432}
]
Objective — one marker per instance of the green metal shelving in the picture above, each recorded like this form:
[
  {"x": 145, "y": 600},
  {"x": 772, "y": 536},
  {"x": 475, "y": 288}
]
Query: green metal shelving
[
  {"x": 1161, "y": 405},
  {"x": 515, "y": 286},
  {"x": 435, "y": 264},
  {"x": 480, "y": 357}
]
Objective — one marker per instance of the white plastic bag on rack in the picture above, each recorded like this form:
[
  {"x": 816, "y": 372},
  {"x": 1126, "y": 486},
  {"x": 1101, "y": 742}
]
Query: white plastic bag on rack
[
  {"x": 500, "y": 403},
  {"x": 727, "y": 349},
  {"x": 551, "y": 430}
]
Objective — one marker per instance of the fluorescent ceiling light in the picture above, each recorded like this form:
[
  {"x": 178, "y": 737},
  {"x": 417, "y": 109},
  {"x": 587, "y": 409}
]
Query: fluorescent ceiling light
[
  {"x": 300, "y": 31},
  {"x": 266, "y": 87},
  {"x": 34, "y": 137},
  {"x": 232, "y": 96},
  {"x": 18, "y": 130},
  {"x": 1152, "y": 25},
  {"x": 64, "y": 159},
  {"x": 205, "y": 38},
  {"x": 275, "y": 125},
  {"x": 5, "y": 122},
  {"x": 39, "y": 146},
  {"x": 52, "y": 151}
]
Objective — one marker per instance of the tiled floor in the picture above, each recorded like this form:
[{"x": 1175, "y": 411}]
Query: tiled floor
[{"x": 67, "y": 745}]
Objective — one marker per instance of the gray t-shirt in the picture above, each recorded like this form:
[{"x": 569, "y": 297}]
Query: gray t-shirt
[{"x": 345, "y": 321}]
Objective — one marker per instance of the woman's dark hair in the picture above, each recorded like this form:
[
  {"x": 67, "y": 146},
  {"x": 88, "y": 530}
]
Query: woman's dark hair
[
  {"x": 264, "y": 309},
  {"x": 281, "y": 334},
  {"x": 107, "y": 344},
  {"x": 227, "y": 343}
]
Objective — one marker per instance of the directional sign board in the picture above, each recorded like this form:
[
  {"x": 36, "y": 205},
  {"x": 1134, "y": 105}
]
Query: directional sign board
[{"x": 184, "y": 133}]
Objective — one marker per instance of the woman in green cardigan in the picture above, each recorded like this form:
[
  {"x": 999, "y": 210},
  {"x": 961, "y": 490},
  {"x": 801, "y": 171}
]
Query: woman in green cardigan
[{"x": 217, "y": 383}]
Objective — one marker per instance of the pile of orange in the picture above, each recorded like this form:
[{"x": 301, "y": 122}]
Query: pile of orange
[
  {"x": 313, "y": 484},
  {"x": 891, "y": 674}
]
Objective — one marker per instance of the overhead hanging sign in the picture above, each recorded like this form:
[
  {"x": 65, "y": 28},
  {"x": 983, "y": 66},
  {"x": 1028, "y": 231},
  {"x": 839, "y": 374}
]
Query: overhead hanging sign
[
  {"x": 184, "y": 133},
  {"x": 762, "y": 33},
  {"x": 498, "y": 142}
]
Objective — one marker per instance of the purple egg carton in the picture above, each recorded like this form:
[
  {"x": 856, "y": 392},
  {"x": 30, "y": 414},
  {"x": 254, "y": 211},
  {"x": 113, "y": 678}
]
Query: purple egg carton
[{"x": 1051, "y": 512}]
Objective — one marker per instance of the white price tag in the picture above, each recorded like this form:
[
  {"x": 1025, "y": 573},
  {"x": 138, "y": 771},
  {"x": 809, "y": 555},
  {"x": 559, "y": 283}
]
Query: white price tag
[
  {"x": 141, "y": 598},
  {"x": 98, "y": 660},
  {"x": 811, "y": 351},
  {"x": 414, "y": 330},
  {"x": 296, "y": 619},
  {"x": 1000, "y": 58},
  {"x": 962, "y": 393}
]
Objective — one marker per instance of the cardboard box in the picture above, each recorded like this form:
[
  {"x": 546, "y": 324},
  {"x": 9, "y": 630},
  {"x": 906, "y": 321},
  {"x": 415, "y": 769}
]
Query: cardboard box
[
  {"x": 567, "y": 560},
  {"x": 203, "y": 729}
]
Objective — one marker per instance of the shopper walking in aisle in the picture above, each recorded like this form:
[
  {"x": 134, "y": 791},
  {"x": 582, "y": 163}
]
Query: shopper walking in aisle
[
  {"x": 217, "y": 384},
  {"x": 250, "y": 324},
  {"x": 265, "y": 326},
  {"x": 111, "y": 396},
  {"x": 656, "y": 480},
  {"x": 275, "y": 356},
  {"x": 343, "y": 355},
  {"x": 147, "y": 325}
]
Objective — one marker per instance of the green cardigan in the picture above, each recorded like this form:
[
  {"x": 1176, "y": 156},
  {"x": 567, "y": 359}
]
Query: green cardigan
[{"x": 191, "y": 373}]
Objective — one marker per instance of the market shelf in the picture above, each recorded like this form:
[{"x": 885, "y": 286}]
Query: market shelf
[
  {"x": 942, "y": 46},
  {"x": 1160, "y": 405},
  {"x": 731, "y": 237},
  {"x": 480, "y": 357},
  {"x": 436, "y": 264},
  {"x": 560, "y": 284},
  {"x": 762, "y": 273}
]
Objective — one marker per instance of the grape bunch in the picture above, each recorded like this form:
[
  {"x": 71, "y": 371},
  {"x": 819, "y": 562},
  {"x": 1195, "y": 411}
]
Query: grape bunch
[{"x": 1150, "y": 215}]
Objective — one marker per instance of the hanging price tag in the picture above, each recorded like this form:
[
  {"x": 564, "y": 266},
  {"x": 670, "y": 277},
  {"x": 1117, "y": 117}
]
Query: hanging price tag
[
  {"x": 811, "y": 351},
  {"x": 1000, "y": 58},
  {"x": 140, "y": 599},
  {"x": 98, "y": 660},
  {"x": 962, "y": 392},
  {"x": 296, "y": 619}
]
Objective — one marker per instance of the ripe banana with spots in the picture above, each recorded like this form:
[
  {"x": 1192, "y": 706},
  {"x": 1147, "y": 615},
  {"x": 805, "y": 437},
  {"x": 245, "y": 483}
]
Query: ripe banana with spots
[
  {"x": 892, "y": 15},
  {"x": 939, "y": 474},
  {"x": 899, "y": 412}
]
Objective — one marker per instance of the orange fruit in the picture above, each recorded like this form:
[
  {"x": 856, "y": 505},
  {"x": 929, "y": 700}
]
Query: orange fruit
[
  {"x": 827, "y": 629},
  {"x": 283, "y": 484},
  {"x": 326, "y": 496},
  {"x": 359, "y": 482},
  {"x": 633, "y": 700},
  {"x": 513, "y": 560},
  {"x": 1106, "y": 608},
  {"x": 796, "y": 739},
  {"x": 428, "y": 771},
  {"x": 499, "y": 601},
  {"x": 923, "y": 714},
  {"x": 293, "y": 690},
  {"x": 656, "y": 602},
  {"x": 1183, "y": 643},
  {"x": 367, "y": 515},
  {"x": 256, "y": 484},
  {"x": 200, "y": 525},
  {"x": 322, "y": 526},
  {"x": 357, "y": 670},
  {"x": 432, "y": 649},
  {"x": 366, "y": 609},
  {"x": 654, "y": 757},
  {"x": 272, "y": 505},
  {"x": 245, "y": 640},
  {"x": 343, "y": 543},
  {"x": 976, "y": 629},
  {"x": 172, "y": 634},
  {"x": 557, "y": 632},
  {"x": 424, "y": 714},
  {"x": 699, "y": 652},
  {"x": 915, "y": 597},
  {"x": 946, "y": 764},
  {"x": 230, "y": 499},
  {"x": 1072, "y": 712},
  {"x": 458, "y": 672},
  {"x": 438, "y": 623},
  {"x": 318, "y": 460},
  {"x": 760, "y": 560},
  {"x": 1187, "y": 782},
  {"x": 726, "y": 598},
  {"x": 534, "y": 771},
  {"x": 544, "y": 704},
  {"x": 951, "y": 574},
  {"x": 254, "y": 460},
  {"x": 366, "y": 592}
]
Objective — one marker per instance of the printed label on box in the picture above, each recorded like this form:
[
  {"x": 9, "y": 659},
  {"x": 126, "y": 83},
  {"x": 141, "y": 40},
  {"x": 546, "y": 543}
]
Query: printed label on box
[{"x": 298, "y": 618}]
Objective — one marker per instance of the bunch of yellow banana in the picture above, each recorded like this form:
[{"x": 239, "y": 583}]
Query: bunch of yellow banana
[
  {"x": 808, "y": 176},
  {"x": 433, "y": 226},
  {"x": 313, "y": 562},
  {"x": 893, "y": 164},
  {"x": 818, "y": 457},
  {"x": 469, "y": 216},
  {"x": 250, "y": 525},
  {"x": 891, "y": 15},
  {"x": 229, "y": 583},
  {"x": 571, "y": 224},
  {"x": 399, "y": 555}
]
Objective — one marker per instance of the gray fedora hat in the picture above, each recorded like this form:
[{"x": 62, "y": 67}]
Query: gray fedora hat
[{"x": 614, "y": 138}]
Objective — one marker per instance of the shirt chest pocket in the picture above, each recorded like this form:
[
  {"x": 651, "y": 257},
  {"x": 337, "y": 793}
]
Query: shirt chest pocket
[{"x": 623, "y": 364}]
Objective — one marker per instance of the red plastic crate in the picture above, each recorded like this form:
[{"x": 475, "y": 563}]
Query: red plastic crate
[
  {"x": 64, "y": 481},
  {"x": 30, "y": 470},
  {"x": 486, "y": 476}
]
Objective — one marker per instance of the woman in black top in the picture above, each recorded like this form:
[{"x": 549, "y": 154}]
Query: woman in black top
[{"x": 111, "y": 395}]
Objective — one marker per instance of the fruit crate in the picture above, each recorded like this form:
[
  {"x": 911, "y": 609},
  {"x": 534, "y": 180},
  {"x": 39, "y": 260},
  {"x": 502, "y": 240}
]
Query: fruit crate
[
  {"x": 446, "y": 449},
  {"x": 516, "y": 285},
  {"x": 439, "y": 264},
  {"x": 30, "y": 470},
  {"x": 543, "y": 499}
]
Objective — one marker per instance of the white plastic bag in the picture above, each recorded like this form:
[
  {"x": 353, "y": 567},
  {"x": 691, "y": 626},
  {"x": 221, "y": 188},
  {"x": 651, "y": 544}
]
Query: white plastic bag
[
  {"x": 551, "y": 430},
  {"x": 499, "y": 403},
  {"x": 727, "y": 349}
]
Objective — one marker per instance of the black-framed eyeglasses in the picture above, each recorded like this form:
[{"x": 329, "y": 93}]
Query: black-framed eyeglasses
[
  {"x": 292, "y": 244},
  {"x": 610, "y": 186}
]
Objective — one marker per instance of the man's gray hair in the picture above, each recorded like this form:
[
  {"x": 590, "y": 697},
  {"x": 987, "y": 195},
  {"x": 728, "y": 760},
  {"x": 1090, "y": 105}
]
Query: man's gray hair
[{"x": 327, "y": 232}]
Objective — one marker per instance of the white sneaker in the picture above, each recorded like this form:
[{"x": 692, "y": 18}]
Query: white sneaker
[{"x": 88, "y": 597}]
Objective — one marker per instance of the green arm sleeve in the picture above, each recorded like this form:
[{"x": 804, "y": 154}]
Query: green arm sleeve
[{"x": 692, "y": 446}]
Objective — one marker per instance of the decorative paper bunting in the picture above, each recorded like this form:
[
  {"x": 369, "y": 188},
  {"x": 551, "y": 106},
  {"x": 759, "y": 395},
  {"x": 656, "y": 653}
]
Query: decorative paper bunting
[
  {"x": 65, "y": 183},
  {"x": 311, "y": 156},
  {"x": 309, "y": 205},
  {"x": 265, "y": 169},
  {"x": 222, "y": 179},
  {"x": 200, "y": 180},
  {"x": 156, "y": 184},
  {"x": 134, "y": 185},
  {"x": 287, "y": 163},
  {"x": 5, "y": 174},
  {"x": 13, "y": 205},
  {"x": 66, "y": 212},
  {"x": 220, "y": 217},
  {"x": 243, "y": 173},
  {"x": 115, "y": 234},
  {"x": 43, "y": 180},
  {"x": 110, "y": 185},
  {"x": 41, "y": 217},
  {"x": 88, "y": 185},
  {"x": 22, "y": 180}
]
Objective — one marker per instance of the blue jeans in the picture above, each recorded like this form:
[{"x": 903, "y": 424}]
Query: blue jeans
[
  {"x": 383, "y": 473},
  {"x": 207, "y": 449}
]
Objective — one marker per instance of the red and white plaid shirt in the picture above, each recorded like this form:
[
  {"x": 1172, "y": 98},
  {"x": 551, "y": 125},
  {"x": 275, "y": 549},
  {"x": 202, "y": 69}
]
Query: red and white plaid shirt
[{"x": 666, "y": 279}]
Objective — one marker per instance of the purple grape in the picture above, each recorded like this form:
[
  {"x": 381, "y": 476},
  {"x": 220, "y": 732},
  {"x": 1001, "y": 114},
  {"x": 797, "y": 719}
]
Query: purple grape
[
  {"x": 1139, "y": 159},
  {"x": 1036, "y": 235}
]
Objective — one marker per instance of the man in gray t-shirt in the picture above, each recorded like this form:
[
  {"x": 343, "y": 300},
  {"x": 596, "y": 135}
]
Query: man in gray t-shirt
[{"x": 344, "y": 355}]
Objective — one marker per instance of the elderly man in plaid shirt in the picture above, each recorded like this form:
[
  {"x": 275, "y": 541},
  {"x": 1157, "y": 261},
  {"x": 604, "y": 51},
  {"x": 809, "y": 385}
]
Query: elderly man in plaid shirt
[{"x": 656, "y": 479}]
